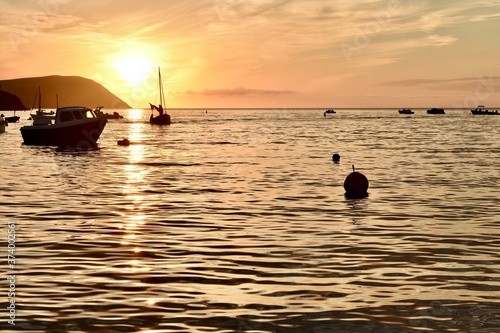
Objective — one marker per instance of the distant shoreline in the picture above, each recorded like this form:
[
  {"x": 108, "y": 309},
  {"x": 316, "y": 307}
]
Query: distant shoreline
[
  {"x": 316, "y": 108},
  {"x": 287, "y": 108}
]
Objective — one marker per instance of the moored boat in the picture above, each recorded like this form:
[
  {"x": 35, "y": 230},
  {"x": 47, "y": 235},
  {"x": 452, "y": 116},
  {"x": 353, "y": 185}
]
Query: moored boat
[
  {"x": 102, "y": 115},
  {"x": 480, "y": 110},
  {"x": 435, "y": 111},
  {"x": 163, "y": 118},
  {"x": 74, "y": 126},
  {"x": 41, "y": 117},
  {"x": 42, "y": 114},
  {"x": 405, "y": 111},
  {"x": 13, "y": 119},
  {"x": 329, "y": 111}
]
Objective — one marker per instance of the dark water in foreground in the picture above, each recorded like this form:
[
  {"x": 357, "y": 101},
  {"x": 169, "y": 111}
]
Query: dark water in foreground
[{"x": 236, "y": 221}]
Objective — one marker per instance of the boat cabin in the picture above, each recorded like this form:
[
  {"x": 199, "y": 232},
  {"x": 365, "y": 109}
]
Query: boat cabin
[
  {"x": 74, "y": 113},
  {"x": 66, "y": 115}
]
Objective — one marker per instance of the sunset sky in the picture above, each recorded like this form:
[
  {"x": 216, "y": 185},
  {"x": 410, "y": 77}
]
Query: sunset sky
[{"x": 263, "y": 53}]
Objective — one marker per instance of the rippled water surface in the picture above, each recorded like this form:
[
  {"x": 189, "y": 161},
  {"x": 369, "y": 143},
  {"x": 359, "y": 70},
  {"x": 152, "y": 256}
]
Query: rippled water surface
[{"x": 236, "y": 221}]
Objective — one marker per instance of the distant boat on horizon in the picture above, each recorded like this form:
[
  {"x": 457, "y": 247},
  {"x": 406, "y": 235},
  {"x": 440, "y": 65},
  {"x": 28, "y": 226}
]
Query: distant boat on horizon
[
  {"x": 406, "y": 111},
  {"x": 329, "y": 111},
  {"x": 435, "y": 111},
  {"x": 480, "y": 110},
  {"x": 164, "y": 117}
]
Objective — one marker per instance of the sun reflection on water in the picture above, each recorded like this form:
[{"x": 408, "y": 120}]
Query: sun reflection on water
[
  {"x": 134, "y": 175},
  {"x": 135, "y": 114}
]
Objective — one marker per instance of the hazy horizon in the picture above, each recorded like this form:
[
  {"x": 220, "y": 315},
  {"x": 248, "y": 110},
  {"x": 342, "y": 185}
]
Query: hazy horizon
[{"x": 263, "y": 54}]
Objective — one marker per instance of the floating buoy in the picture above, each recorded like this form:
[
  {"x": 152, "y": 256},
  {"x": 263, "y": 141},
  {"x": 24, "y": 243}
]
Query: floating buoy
[
  {"x": 124, "y": 142},
  {"x": 336, "y": 158},
  {"x": 356, "y": 185}
]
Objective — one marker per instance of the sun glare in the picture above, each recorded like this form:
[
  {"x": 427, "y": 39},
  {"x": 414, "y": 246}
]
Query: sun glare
[
  {"x": 134, "y": 69},
  {"x": 135, "y": 114}
]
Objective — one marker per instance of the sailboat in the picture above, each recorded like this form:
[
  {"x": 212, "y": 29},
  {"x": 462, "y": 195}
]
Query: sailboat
[
  {"x": 41, "y": 117},
  {"x": 13, "y": 119},
  {"x": 163, "y": 118}
]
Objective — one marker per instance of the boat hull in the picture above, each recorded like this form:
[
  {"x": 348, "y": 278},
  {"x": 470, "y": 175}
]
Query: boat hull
[
  {"x": 163, "y": 119},
  {"x": 12, "y": 119},
  {"x": 50, "y": 116},
  {"x": 109, "y": 116},
  {"x": 79, "y": 135}
]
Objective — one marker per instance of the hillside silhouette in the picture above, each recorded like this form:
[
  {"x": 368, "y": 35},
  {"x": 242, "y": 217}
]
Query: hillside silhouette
[
  {"x": 70, "y": 90},
  {"x": 9, "y": 101}
]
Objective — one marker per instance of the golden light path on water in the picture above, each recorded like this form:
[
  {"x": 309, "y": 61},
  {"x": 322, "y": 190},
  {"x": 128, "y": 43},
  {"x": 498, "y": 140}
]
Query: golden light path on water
[{"x": 135, "y": 215}]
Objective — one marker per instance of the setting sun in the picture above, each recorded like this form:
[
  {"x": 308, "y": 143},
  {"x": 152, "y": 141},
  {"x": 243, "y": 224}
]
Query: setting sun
[{"x": 134, "y": 69}]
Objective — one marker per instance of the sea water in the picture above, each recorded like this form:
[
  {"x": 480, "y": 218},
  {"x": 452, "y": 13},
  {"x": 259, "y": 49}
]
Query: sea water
[{"x": 236, "y": 221}]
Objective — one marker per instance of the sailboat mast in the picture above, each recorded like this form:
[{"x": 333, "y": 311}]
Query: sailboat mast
[
  {"x": 159, "y": 85},
  {"x": 36, "y": 96},
  {"x": 162, "y": 95}
]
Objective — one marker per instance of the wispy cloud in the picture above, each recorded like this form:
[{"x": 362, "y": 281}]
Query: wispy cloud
[
  {"x": 437, "y": 40},
  {"x": 457, "y": 84},
  {"x": 238, "y": 92}
]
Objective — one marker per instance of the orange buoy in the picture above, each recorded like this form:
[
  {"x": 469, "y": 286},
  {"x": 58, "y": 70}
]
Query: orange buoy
[
  {"x": 356, "y": 185},
  {"x": 336, "y": 158}
]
